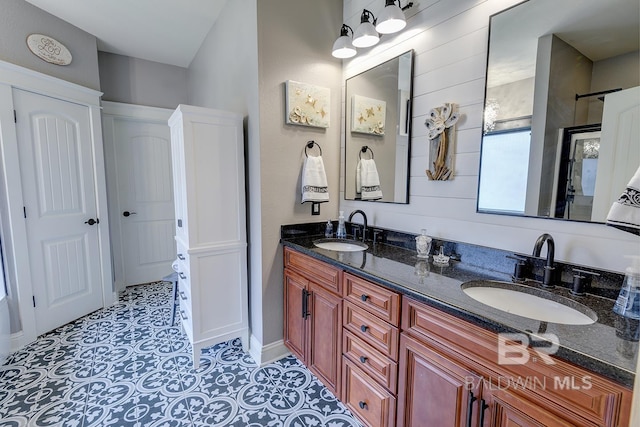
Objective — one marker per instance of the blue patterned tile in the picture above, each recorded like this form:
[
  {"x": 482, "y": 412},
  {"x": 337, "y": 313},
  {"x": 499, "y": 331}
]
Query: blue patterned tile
[{"x": 127, "y": 366}]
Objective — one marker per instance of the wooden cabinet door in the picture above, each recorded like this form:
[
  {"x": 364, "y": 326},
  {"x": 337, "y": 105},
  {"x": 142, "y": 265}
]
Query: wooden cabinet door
[
  {"x": 325, "y": 336},
  {"x": 433, "y": 390},
  {"x": 294, "y": 319},
  {"x": 505, "y": 409}
]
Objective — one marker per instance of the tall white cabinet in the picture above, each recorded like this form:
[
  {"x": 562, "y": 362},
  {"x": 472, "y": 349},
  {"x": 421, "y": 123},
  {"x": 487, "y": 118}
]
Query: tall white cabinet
[{"x": 208, "y": 178}]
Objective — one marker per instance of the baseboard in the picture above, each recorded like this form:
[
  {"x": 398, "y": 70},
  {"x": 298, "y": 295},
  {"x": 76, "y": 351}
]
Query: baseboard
[
  {"x": 265, "y": 354},
  {"x": 17, "y": 341}
]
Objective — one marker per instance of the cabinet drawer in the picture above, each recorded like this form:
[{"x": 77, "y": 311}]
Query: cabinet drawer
[
  {"x": 373, "y": 330},
  {"x": 375, "y": 364},
  {"x": 376, "y": 299},
  {"x": 369, "y": 401},
  {"x": 320, "y": 272},
  {"x": 562, "y": 388}
]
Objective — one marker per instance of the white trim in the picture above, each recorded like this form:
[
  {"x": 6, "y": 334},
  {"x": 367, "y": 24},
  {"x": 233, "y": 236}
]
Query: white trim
[
  {"x": 18, "y": 341},
  {"x": 14, "y": 230},
  {"x": 263, "y": 355},
  {"x": 140, "y": 112},
  {"x": 34, "y": 81}
]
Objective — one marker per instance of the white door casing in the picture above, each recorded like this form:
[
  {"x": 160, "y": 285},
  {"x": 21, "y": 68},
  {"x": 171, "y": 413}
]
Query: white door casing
[
  {"x": 138, "y": 146},
  {"x": 13, "y": 224},
  {"x": 58, "y": 188},
  {"x": 619, "y": 149}
]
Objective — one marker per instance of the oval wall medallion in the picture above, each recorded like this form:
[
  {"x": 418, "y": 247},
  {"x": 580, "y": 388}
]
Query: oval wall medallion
[{"x": 49, "y": 49}]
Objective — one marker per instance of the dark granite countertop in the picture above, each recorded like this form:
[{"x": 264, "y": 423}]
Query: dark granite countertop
[{"x": 600, "y": 347}]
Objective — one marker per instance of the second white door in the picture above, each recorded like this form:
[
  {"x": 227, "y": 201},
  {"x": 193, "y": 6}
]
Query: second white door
[{"x": 143, "y": 211}]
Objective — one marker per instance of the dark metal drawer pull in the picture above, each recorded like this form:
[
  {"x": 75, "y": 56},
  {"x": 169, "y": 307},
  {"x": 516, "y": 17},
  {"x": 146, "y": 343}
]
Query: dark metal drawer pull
[
  {"x": 364, "y": 328},
  {"x": 363, "y": 359},
  {"x": 362, "y": 405},
  {"x": 364, "y": 297}
]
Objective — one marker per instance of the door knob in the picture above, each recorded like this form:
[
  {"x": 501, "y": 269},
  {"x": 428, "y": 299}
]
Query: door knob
[
  {"x": 127, "y": 213},
  {"x": 92, "y": 221}
]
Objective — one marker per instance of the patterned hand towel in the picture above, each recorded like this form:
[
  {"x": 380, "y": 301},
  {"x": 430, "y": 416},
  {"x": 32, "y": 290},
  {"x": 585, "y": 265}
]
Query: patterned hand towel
[
  {"x": 625, "y": 212},
  {"x": 368, "y": 180},
  {"x": 314, "y": 180}
]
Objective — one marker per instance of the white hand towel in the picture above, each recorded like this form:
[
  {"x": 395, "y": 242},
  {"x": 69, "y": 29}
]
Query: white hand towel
[
  {"x": 368, "y": 180},
  {"x": 625, "y": 212},
  {"x": 314, "y": 180}
]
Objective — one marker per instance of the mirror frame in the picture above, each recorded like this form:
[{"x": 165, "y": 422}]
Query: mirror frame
[
  {"x": 523, "y": 126},
  {"x": 348, "y": 132}
]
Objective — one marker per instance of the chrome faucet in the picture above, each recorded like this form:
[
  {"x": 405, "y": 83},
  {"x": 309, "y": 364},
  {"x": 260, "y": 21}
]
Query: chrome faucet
[
  {"x": 548, "y": 269},
  {"x": 364, "y": 218}
]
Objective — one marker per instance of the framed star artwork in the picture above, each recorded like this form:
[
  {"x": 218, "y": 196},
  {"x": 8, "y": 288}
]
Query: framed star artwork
[
  {"x": 307, "y": 104},
  {"x": 368, "y": 115}
]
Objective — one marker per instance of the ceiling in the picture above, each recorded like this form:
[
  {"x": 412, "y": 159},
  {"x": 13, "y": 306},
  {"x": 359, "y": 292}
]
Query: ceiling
[
  {"x": 166, "y": 31},
  {"x": 598, "y": 29}
]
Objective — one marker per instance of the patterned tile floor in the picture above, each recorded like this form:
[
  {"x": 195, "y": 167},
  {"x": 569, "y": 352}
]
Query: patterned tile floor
[{"x": 126, "y": 366}]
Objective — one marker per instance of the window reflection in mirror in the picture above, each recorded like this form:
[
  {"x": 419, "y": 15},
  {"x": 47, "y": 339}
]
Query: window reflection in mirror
[
  {"x": 378, "y": 131},
  {"x": 552, "y": 69}
]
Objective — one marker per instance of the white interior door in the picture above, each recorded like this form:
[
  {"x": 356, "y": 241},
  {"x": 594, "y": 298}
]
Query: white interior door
[
  {"x": 619, "y": 149},
  {"x": 145, "y": 199},
  {"x": 56, "y": 166}
]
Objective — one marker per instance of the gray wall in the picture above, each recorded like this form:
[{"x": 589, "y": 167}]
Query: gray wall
[
  {"x": 245, "y": 71},
  {"x": 18, "y": 19},
  {"x": 138, "y": 81}
]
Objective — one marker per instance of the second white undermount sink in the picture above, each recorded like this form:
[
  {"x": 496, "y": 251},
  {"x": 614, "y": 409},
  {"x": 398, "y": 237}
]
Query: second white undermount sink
[
  {"x": 341, "y": 245},
  {"x": 529, "y": 302}
]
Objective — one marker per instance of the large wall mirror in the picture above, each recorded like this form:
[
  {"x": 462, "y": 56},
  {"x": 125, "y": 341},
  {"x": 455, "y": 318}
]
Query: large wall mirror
[
  {"x": 553, "y": 69},
  {"x": 378, "y": 132}
]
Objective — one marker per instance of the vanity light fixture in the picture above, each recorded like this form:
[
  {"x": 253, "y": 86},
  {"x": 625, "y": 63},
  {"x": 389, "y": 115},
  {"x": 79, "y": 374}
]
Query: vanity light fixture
[
  {"x": 343, "y": 47},
  {"x": 366, "y": 34},
  {"x": 391, "y": 19}
]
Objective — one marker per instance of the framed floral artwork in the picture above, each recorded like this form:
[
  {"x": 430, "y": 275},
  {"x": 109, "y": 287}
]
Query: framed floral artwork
[
  {"x": 368, "y": 115},
  {"x": 307, "y": 104}
]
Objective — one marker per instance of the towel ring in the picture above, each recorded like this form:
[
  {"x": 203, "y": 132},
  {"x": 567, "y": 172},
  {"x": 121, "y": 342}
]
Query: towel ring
[
  {"x": 310, "y": 144},
  {"x": 364, "y": 150}
]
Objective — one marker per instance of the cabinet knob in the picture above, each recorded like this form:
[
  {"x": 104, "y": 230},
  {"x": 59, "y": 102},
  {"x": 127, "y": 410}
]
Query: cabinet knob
[
  {"x": 92, "y": 221},
  {"x": 363, "y": 359},
  {"x": 364, "y": 328},
  {"x": 364, "y": 297},
  {"x": 127, "y": 213},
  {"x": 362, "y": 405}
]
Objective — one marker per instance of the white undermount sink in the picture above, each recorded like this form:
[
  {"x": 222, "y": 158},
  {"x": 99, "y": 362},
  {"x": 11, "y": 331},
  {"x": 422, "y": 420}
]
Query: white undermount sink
[
  {"x": 529, "y": 302},
  {"x": 341, "y": 245}
]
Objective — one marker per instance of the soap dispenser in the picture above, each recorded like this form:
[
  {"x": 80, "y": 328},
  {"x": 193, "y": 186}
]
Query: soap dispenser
[
  {"x": 628, "y": 302},
  {"x": 328, "y": 231},
  {"x": 341, "y": 233}
]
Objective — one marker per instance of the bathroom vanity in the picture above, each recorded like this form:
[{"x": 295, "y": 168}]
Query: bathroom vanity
[{"x": 396, "y": 339}]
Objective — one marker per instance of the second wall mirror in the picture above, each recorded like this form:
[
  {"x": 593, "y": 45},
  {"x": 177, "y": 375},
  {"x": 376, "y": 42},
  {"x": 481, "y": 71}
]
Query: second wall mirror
[{"x": 378, "y": 127}]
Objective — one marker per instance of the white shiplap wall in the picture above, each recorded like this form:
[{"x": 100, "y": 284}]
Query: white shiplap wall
[{"x": 449, "y": 39}]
